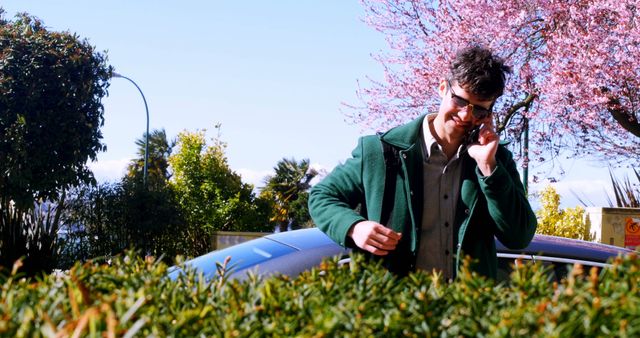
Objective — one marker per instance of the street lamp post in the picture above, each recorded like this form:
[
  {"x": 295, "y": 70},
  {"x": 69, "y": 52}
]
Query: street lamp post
[{"x": 146, "y": 136}]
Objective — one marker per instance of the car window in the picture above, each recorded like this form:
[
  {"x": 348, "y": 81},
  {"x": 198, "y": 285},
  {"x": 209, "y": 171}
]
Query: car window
[
  {"x": 506, "y": 262},
  {"x": 558, "y": 267}
]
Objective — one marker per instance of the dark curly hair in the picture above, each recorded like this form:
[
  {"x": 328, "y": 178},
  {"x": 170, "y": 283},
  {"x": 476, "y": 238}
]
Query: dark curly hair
[{"x": 478, "y": 71}]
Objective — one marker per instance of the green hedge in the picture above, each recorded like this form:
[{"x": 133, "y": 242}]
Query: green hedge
[{"x": 133, "y": 297}]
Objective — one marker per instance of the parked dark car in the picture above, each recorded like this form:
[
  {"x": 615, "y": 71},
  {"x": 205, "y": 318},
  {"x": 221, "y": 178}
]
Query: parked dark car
[
  {"x": 559, "y": 254},
  {"x": 293, "y": 252}
]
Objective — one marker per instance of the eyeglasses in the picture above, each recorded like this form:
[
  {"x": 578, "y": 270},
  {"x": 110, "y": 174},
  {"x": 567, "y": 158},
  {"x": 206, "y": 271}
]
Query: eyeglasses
[{"x": 477, "y": 111}]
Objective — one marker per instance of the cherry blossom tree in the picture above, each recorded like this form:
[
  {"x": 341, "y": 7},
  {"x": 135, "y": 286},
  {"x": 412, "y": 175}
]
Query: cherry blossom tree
[{"x": 576, "y": 72}]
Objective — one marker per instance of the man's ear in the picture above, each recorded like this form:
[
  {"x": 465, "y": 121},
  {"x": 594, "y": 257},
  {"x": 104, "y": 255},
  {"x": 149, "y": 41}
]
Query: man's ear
[{"x": 442, "y": 88}]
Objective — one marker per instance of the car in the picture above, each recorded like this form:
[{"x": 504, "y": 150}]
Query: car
[
  {"x": 288, "y": 253},
  {"x": 292, "y": 252},
  {"x": 560, "y": 254}
]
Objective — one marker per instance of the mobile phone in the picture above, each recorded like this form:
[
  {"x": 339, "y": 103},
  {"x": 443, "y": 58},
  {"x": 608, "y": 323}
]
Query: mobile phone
[{"x": 472, "y": 136}]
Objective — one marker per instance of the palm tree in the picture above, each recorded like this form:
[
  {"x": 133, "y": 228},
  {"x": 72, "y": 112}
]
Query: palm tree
[
  {"x": 290, "y": 183},
  {"x": 627, "y": 195},
  {"x": 158, "y": 164}
]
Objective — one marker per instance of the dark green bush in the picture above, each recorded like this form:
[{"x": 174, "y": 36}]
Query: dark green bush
[
  {"x": 109, "y": 218},
  {"x": 132, "y": 296}
]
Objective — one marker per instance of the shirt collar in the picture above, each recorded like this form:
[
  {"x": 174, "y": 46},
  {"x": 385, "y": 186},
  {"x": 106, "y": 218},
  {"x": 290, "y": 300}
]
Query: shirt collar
[{"x": 427, "y": 137}]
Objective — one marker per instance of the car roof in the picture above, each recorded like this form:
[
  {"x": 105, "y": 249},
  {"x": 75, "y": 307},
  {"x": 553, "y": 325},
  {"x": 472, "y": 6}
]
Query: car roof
[
  {"x": 288, "y": 252},
  {"x": 305, "y": 239},
  {"x": 302, "y": 239},
  {"x": 282, "y": 250},
  {"x": 545, "y": 245}
]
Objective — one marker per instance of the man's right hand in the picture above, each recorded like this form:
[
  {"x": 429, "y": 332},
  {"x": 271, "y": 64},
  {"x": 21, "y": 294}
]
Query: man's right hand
[{"x": 374, "y": 237}]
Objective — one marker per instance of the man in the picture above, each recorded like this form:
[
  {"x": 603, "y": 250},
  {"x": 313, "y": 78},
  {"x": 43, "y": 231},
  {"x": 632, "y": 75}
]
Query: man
[{"x": 451, "y": 195}]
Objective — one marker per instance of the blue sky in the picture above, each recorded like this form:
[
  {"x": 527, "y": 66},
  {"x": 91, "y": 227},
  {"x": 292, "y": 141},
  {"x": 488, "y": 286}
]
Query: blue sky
[{"x": 273, "y": 73}]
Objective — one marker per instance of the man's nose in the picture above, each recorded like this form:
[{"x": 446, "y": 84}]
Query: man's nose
[{"x": 466, "y": 113}]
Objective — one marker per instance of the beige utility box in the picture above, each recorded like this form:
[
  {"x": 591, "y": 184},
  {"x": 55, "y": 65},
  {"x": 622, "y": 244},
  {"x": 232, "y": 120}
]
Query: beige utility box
[
  {"x": 615, "y": 226},
  {"x": 224, "y": 239}
]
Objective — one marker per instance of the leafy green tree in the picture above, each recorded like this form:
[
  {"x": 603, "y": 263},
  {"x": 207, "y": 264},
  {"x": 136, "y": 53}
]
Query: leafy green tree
[
  {"x": 552, "y": 220},
  {"x": 154, "y": 220},
  {"x": 288, "y": 188},
  {"x": 50, "y": 110},
  {"x": 90, "y": 225},
  {"x": 105, "y": 220},
  {"x": 299, "y": 214},
  {"x": 51, "y": 86},
  {"x": 211, "y": 195},
  {"x": 128, "y": 214},
  {"x": 151, "y": 217}
]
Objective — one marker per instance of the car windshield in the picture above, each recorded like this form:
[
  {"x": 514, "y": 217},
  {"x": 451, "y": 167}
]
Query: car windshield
[{"x": 243, "y": 255}]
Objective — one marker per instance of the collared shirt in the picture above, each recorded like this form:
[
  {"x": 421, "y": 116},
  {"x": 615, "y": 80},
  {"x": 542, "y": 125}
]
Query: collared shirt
[{"x": 441, "y": 177}]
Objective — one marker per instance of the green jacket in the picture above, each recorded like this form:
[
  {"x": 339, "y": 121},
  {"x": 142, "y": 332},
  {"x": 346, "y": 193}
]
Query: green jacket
[{"x": 488, "y": 206}]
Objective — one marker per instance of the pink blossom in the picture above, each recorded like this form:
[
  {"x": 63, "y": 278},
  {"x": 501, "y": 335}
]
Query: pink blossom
[{"x": 579, "y": 57}]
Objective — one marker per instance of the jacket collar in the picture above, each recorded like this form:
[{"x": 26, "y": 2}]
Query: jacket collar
[{"x": 404, "y": 136}]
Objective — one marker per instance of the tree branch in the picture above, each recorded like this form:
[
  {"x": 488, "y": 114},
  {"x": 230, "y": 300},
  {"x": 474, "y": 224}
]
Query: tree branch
[
  {"x": 512, "y": 111},
  {"x": 417, "y": 14},
  {"x": 626, "y": 119}
]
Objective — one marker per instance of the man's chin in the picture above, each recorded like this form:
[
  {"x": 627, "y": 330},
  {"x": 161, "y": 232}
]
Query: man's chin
[
  {"x": 458, "y": 133},
  {"x": 460, "y": 128}
]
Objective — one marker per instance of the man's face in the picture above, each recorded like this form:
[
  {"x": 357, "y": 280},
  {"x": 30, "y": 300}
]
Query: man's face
[{"x": 456, "y": 109}]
